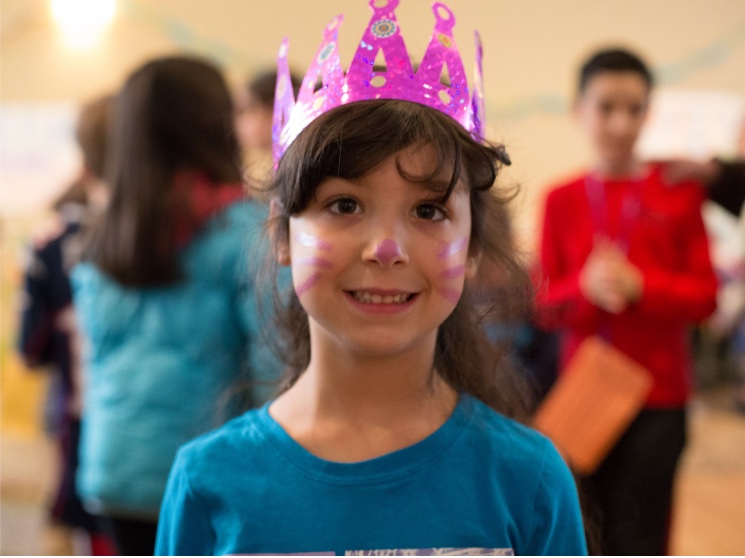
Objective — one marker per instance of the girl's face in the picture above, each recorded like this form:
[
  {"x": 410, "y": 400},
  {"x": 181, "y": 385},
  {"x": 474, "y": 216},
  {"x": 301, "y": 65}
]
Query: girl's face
[
  {"x": 377, "y": 262},
  {"x": 253, "y": 123}
]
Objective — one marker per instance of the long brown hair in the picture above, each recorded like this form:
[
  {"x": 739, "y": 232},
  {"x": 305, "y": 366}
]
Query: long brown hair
[
  {"x": 354, "y": 139},
  {"x": 173, "y": 114}
]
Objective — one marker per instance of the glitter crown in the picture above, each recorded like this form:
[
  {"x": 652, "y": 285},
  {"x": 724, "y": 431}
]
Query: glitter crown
[{"x": 363, "y": 81}]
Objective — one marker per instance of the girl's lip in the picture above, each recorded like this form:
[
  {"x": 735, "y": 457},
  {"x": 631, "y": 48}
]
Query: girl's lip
[{"x": 381, "y": 307}]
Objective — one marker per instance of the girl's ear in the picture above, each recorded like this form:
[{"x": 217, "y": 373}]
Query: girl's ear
[
  {"x": 280, "y": 241},
  {"x": 472, "y": 264}
]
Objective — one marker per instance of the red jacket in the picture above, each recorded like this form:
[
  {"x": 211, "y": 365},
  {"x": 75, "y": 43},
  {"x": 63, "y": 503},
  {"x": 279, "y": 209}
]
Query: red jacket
[{"x": 667, "y": 242}]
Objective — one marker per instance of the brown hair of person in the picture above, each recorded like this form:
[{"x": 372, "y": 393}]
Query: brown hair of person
[
  {"x": 173, "y": 114},
  {"x": 351, "y": 141}
]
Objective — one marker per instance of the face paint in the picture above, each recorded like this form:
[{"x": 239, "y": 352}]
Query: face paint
[
  {"x": 452, "y": 249},
  {"x": 387, "y": 251},
  {"x": 454, "y": 272},
  {"x": 452, "y": 295},
  {"x": 312, "y": 241},
  {"x": 315, "y": 261},
  {"x": 306, "y": 285}
]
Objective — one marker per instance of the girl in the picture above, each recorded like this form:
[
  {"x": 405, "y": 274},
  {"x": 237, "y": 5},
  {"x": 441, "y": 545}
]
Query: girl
[
  {"x": 391, "y": 434},
  {"x": 166, "y": 288}
]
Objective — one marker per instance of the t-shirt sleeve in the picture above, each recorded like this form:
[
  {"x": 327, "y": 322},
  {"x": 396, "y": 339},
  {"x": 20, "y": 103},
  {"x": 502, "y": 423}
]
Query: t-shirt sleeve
[
  {"x": 557, "y": 528},
  {"x": 184, "y": 527},
  {"x": 689, "y": 292}
]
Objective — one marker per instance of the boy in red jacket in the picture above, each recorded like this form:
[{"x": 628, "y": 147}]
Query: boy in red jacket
[{"x": 625, "y": 257}]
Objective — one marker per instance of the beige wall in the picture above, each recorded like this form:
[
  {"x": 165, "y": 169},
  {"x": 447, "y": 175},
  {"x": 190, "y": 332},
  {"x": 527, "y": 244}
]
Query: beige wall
[{"x": 532, "y": 48}]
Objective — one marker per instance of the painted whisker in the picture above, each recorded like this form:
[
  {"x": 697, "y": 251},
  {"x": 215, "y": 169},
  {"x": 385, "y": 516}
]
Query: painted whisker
[
  {"x": 454, "y": 272},
  {"x": 306, "y": 285},
  {"x": 452, "y": 295},
  {"x": 312, "y": 241},
  {"x": 453, "y": 248},
  {"x": 315, "y": 261}
]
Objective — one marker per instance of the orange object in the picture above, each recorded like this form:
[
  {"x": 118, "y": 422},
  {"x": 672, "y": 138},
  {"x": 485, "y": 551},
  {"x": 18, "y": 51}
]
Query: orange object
[{"x": 592, "y": 403}]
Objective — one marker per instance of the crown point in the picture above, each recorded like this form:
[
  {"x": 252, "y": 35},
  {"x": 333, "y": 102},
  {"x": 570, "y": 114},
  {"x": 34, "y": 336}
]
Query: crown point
[
  {"x": 383, "y": 4},
  {"x": 379, "y": 70}
]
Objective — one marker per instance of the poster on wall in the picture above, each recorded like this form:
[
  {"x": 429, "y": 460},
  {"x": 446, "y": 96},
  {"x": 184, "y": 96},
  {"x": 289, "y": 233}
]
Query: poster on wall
[
  {"x": 39, "y": 157},
  {"x": 693, "y": 124}
]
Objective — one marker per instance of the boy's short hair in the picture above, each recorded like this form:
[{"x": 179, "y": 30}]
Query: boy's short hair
[{"x": 613, "y": 60}]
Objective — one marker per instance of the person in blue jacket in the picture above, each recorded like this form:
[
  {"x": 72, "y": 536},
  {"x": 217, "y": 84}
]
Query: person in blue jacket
[
  {"x": 47, "y": 339},
  {"x": 165, "y": 298},
  {"x": 396, "y": 432}
]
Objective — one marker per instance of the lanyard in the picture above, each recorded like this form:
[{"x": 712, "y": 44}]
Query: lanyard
[{"x": 630, "y": 209}]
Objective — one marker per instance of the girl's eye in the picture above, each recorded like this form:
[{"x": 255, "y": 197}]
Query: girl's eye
[
  {"x": 344, "y": 206},
  {"x": 429, "y": 212}
]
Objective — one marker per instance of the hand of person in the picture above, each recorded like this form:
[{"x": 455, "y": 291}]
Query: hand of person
[
  {"x": 609, "y": 280},
  {"x": 675, "y": 171}
]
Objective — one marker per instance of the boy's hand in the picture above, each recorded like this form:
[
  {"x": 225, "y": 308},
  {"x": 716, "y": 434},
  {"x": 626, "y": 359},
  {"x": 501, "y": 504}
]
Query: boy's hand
[{"x": 609, "y": 280}]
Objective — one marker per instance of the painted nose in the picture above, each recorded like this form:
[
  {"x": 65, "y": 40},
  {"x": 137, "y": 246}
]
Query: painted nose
[{"x": 388, "y": 253}]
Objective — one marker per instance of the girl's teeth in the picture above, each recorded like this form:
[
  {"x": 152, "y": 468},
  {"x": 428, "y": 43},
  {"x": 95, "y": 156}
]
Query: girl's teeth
[{"x": 367, "y": 298}]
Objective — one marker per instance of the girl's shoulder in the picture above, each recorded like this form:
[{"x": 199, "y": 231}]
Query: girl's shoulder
[
  {"x": 519, "y": 456},
  {"x": 495, "y": 430},
  {"x": 227, "y": 442}
]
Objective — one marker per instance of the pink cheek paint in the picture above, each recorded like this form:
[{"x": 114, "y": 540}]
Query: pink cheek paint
[
  {"x": 454, "y": 272},
  {"x": 312, "y": 241},
  {"x": 306, "y": 285},
  {"x": 387, "y": 251},
  {"x": 449, "y": 294},
  {"x": 453, "y": 248},
  {"x": 315, "y": 261}
]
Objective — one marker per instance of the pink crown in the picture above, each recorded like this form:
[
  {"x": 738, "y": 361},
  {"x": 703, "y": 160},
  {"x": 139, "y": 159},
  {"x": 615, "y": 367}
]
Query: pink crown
[{"x": 361, "y": 82}]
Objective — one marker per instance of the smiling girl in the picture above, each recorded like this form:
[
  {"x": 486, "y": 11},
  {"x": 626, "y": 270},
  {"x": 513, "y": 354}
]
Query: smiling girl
[
  {"x": 395, "y": 432},
  {"x": 392, "y": 431}
]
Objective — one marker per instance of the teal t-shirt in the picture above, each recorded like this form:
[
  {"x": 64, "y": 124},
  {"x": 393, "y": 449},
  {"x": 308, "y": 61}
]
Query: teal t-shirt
[{"x": 481, "y": 484}]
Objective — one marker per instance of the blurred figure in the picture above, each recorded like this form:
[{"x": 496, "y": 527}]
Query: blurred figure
[
  {"x": 626, "y": 258},
  {"x": 48, "y": 338},
  {"x": 166, "y": 299},
  {"x": 253, "y": 121},
  {"x": 724, "y": 180}
]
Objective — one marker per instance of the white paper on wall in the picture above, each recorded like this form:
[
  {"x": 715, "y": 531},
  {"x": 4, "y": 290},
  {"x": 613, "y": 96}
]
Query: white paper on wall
[
  {"x": 692, "y": 124},
  {"x": 39, "y": 157}
]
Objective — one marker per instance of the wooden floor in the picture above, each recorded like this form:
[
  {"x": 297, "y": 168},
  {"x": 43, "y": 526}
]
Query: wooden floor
[{"x": 709, "y": 516}]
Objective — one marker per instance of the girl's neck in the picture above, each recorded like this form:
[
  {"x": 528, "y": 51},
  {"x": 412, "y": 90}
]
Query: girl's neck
[{"x": 347, "y": 408}]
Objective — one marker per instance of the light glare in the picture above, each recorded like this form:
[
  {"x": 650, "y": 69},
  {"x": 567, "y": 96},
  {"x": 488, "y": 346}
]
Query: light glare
[{"x": 82, "y": 21}]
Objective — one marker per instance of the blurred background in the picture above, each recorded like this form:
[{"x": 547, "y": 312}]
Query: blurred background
[{"x": 56, "y": 55}]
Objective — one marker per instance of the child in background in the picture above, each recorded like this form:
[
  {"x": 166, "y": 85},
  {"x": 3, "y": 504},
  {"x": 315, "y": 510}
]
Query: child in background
[
  {"x": 253, "y": 123},
  {"x": 48, "y": 337},
  {"x": 166, "y": 299},
  {"x": 626, "y": 257},
  {"x": 255, "y": 109},
  {"x": 391, "y": 435}
]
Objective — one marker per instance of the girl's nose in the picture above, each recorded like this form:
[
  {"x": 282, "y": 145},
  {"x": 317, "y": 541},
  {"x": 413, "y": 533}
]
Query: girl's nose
[{"x": 387, "y": 253}]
